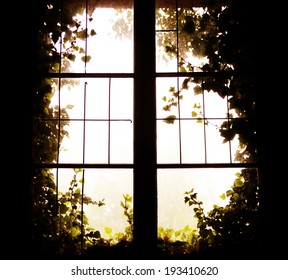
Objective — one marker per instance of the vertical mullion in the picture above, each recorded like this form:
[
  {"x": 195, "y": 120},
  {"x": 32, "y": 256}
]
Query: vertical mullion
[
  {"x": 145, "y": 187},
  {"x": 179, "y": 124},
  {"x": 83, "y": 161},
  {"x": 204, "y": 119},
  {"x": 109, "y": 120},
  {"x": 178, "y": 87}
]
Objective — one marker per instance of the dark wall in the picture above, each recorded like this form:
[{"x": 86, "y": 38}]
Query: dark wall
[
  {"x": 18, "y": 67},
  {"x": 267, "y": 41}
]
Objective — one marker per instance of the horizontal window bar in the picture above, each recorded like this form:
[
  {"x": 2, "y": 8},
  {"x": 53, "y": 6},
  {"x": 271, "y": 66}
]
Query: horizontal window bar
[
  {"x": 159, "y": 166},
  {"x": 202, "y": 74},
  {"x": 206, "y": 165},
  {"x": 88, "y": 75},
  {"x": 85, "y": 165},
  {"x": 203, "y": 118},
  {"x": 88, "y": 120}
]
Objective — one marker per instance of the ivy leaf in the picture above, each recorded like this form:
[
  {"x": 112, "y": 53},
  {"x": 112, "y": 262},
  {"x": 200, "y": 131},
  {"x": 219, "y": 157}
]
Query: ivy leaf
[
  {"x": 198, "y": 90},
  {"x": 86, "y": 58},
  {"x": 177, "y": 233},
  {"x": 77, "y": 191},
  {"x": 223, "y": 196},
  {"x": 172, "y": 89},
  {"x": 238, "y": 183},
  {"x": 101, "y": 202},
  {"x": 182, "y": 69},
  {"x": 63, "y": 208},
  {"x": 229, "y": 193},
  {"x": 96, "y": 234},
  {"x": 82, "y": 34},
  {"x": 93, "y": 32},
  {"x": 185, "y": 83},
  {"x": 71, "y": 57},
  {"x": 194, "y": 114},
  {"x": 69, "y": 106},
  {"x": 236, "y": 196},
  {"x": 170, "y": 119},
  {"x": 108, "y": 230}
]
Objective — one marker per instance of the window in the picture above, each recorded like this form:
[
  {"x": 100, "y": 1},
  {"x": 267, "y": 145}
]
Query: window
[{"x": 143, "y": 109}]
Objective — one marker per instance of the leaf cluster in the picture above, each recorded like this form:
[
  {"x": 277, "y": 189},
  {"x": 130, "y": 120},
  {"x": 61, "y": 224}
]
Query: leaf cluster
[
  {"x": 218, "y": 36},
  {"x": 55, "y": 223},
  {"x": 235, "y": 224}
]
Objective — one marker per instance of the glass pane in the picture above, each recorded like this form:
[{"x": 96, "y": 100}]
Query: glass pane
[
  {"x": 192, "y": 142},
  {"x": 165, "y": 61},
  {"x": 121, "y": 141},
  {"x": 168, "y": 149},
  {"x": 97, "y": 99},
  {"x": 176, "y": 22},
  {"x": 201, "y": 133},
  {"x": 71, "y": 149},
  {"x": 96, "y": 112},
  {"x": 106, "y": 187},
  {"x": 96, "y": 142},
  {"x": 167, "y": 130},
  {"x": 209, "y": 184},
  {"x": 121, "y": 100},
  {"x": 100, "y": 33},
  {"x": 211, "y": 109},
  {"x": 217, "y": 151}
]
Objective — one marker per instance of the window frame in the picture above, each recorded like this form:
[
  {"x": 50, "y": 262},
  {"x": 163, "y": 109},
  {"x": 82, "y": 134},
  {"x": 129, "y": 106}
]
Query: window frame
[{"x": 145, "y": 164}]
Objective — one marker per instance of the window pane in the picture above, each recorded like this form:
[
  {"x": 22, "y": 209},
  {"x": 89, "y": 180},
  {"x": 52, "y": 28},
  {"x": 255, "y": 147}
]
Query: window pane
[
  {"x": 192, "y": 142},
  {"x": 121, "y": 142},
  {"x": 106, "y": 187},
  {"x": 71, "y": 150},
  {"x": 165, "y": 62},
  {"x": 174, "y": 34},
  {"x": 97, "y": 99},
  {"x": 121, "y": 99},
  {"x": 208, "y": 183},
  {"x": 97, "y": 114},
  {"x": 110, "y": 185},
  {"x": 191, "y": 121},
  {"x": 104, "y": 37},
  {"x": 168, "y": 150},
  {"x": 96, "y": 142},
  {"x": 217, "y": 151},
  {"x": 111, "y": 49}
]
